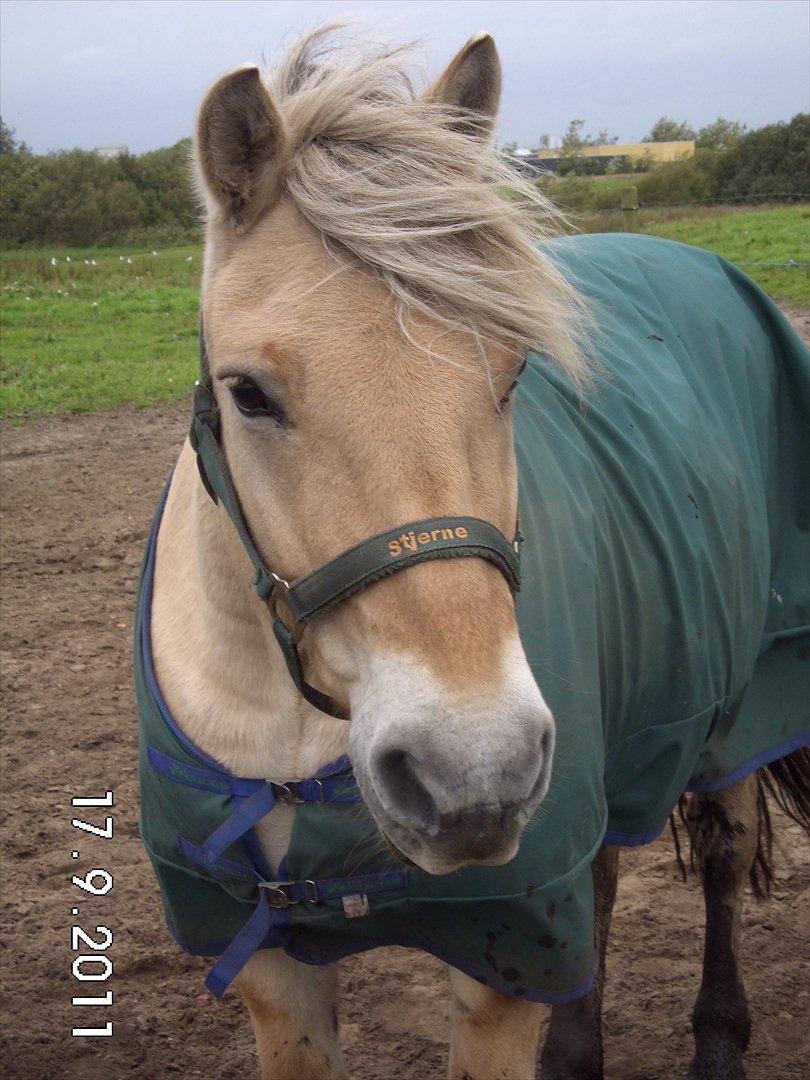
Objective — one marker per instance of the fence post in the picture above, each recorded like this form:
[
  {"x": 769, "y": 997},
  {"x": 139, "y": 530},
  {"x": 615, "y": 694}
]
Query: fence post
[{"x": 629, "y": 204}]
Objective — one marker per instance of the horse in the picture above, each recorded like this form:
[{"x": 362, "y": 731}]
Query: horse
[{"x": 387, "y": 735}]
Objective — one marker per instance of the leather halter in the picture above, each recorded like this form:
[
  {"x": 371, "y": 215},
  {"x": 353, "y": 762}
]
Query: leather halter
[{"x": 348, "y": 573}]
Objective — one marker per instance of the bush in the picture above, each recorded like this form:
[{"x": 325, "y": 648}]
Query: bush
[
  {"x": 771, "y": 160},
  {"x": 683, "y": 181},
  {"x": 581, "y": 166},
  {"x": 578, "y": 194},
  {"x": 76, "y": 197},
  {"x": 572, "y": 193},
  {"x": 774, "y": 160}
]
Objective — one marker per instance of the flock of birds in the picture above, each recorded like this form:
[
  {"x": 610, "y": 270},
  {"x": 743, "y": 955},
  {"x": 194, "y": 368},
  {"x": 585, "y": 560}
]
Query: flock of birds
[{"x": 92, "y": 262}]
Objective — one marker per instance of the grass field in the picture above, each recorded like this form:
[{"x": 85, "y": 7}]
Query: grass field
[
  {"x": 119, "y": 327},
  {"x": 110, "y": 327},
  {"x": 753, "y": 239}
]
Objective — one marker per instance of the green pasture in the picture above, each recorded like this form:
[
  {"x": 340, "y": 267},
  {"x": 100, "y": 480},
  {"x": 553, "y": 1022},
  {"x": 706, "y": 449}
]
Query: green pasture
[
  {"x": 759, "y": 241},
  {"x": 111, "y": 327},
  {"x": 117, "y": 326}
]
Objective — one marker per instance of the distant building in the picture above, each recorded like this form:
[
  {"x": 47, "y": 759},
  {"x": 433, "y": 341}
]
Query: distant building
[
  {"x": 111, "y": 151},
  {"x": 658, "y": 151},
  {"x": 528, "y": 164}
]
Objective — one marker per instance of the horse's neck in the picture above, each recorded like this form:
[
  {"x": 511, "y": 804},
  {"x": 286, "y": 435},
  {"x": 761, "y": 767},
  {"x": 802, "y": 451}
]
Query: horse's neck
[{"x": 216, "y": 659}]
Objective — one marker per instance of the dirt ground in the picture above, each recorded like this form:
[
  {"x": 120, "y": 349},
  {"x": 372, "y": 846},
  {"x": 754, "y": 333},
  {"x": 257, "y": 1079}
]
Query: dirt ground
[{"x": 78, "y": 495}]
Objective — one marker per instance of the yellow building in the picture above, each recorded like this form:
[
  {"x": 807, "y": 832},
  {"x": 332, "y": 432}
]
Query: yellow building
[{"x": 658, "y": 151}]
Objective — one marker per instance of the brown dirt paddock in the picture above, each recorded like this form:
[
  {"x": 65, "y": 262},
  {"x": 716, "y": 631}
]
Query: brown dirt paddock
[{"x": 78, "y": 496}]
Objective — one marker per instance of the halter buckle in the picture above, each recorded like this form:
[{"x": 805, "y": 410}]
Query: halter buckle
[{"x": 278, "y": 593}]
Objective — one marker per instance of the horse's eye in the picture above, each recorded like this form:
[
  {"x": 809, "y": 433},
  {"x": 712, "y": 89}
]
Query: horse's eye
[
  {"x": 251, "y": 400},
  {"x": 507, "y": 397}
]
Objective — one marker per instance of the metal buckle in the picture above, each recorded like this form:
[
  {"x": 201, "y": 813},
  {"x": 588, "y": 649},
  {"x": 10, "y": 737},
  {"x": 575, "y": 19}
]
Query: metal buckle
[
  {"x": 312, "y": 892},
  {"x": 315, "y": 780},
  {"x": 276, "y": 896},
  {"x": 287, "y": 795},
  {"x": 280, "y": 588}
]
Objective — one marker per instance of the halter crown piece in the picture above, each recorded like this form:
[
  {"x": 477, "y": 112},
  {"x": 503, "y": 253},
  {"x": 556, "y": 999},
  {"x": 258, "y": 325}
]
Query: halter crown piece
[{"x": 348, "y": 573}]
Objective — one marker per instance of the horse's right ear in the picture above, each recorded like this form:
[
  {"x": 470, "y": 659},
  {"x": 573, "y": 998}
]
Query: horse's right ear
[{"x": 240, "y": 146}]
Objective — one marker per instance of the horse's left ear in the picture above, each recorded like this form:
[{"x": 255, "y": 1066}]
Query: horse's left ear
[{"x": 472, "y": 82}]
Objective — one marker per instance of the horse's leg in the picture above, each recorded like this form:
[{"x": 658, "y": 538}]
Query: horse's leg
[
  {"x": 293, "y": 1008},
  {"x": 724, "y": 831},
  {"x": 573, "y": 1047},
  {"x": 492, "y": 1036}
]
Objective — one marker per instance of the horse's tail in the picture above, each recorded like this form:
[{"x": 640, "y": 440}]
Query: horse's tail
[{"x": 787, "y": 782}]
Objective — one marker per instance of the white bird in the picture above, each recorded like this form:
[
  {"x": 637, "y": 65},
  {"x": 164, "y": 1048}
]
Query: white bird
[
  {"x": 189, "y": 258},
  {"x": 120, "y": 258},
  {"x": 129, "y": 262},
  {"x": 67, "y": 258},
  {"x": 54, "y": 261},
  {"x": 154, "y": 253},
  {"x": 93, "y": 262}
]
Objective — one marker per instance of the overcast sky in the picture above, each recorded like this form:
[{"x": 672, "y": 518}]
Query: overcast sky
[{"x": 91, "y": 72}]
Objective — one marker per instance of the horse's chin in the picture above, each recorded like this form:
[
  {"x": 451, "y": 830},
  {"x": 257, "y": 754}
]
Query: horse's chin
[
  {"x": 429, "y": 865},
  {"x": 399, "y": 855},
  {"x": 438, "y": 867}
]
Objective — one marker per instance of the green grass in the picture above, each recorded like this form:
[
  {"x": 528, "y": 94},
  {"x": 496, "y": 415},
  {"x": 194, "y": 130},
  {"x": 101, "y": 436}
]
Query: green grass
[
  {"x": 614, "y": 181},
  {"x": 752, "y": 239},
  {"x": 82, "y": 338}
]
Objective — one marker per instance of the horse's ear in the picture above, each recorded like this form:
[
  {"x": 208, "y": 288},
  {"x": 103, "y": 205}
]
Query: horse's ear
[
  {"x": 240, "y": 146},
  {"x": 472, "y": 82}
]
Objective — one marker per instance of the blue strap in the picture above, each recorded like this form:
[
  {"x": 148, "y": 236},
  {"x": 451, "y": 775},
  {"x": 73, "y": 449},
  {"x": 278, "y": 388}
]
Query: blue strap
[
  {"x": 253, "y": 800},
  {"x": 296, "y": 892},
  {"x": 334, "y": 888},
  {"x": 242, "y": 947},
  {"x": 247, "y": 814},
  {"x": 204, "y": 779},
  {"x": 216, "y": 864},
  {"x": 332, "y": 789},
  {"x": 325, "y": 788}
]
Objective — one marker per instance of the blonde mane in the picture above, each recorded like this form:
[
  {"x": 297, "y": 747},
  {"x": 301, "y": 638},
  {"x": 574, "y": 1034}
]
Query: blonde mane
[{"x": 396, "y": 180}]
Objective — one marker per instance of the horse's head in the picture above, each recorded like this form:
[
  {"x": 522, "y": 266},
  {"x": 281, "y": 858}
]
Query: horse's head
[{"x": 368, "y": 300}]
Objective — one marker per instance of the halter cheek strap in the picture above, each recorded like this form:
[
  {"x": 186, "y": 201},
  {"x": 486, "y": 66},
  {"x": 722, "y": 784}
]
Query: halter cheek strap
[{"x": 348, "y": 573}]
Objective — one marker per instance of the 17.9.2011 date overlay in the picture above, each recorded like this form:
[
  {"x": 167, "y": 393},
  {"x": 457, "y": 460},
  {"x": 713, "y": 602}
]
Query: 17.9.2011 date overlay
[{"x": 91, "y": 964}]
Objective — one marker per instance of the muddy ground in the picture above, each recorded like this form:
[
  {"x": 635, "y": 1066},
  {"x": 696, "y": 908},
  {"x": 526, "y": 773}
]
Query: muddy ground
[{"x": 78, "y": 495}]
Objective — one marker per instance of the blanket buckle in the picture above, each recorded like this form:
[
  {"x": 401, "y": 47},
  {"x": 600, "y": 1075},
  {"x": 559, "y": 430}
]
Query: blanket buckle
[
  {"x": 279, "y": 893},
  {"x": 287, "y": 794}
]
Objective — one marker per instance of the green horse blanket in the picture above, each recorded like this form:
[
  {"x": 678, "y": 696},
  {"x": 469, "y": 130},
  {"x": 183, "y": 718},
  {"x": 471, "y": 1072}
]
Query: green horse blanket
[{"x": 664, "y": 609}]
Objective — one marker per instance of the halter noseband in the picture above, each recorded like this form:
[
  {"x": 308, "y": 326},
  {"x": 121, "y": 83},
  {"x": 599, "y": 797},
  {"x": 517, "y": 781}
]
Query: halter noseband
[{"x": 348, "y": 573}]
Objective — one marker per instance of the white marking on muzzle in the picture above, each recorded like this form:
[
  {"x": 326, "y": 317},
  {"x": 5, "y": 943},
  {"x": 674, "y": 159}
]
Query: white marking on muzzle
[{"x": 451, "y": 778}]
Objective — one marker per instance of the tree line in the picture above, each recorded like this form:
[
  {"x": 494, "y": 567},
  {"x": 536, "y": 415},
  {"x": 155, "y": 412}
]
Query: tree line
[{"x": 77, "y": 198}]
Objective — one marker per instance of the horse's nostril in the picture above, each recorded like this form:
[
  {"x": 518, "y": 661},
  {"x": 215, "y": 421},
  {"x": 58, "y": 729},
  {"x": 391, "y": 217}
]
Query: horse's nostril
[
  {"x": 546, "y": 757},
  {"x": 397, "y": 777},
  {"x": 547, "y": 743}
]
